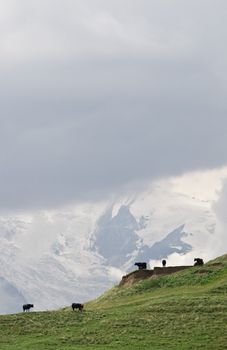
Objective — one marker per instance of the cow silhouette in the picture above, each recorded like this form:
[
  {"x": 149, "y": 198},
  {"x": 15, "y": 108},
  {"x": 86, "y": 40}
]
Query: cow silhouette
[
  {"x": 198, "y": 262},
  {"x": 77, "y": 306},
  {"x": 27, "y": 307},
  {"x": 141, "y": 265},
  {"x": 164, "y": 263}
]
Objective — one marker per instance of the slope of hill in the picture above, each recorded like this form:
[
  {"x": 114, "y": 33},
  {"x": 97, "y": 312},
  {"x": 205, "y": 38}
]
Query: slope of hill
[{"x": 186, "y": 310}]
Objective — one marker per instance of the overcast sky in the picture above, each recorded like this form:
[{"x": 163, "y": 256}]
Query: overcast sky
[{"x": 96, "y": 95}]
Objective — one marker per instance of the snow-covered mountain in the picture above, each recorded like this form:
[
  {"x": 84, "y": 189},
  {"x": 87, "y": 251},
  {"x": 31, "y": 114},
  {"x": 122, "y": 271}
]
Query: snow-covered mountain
[
  {"x": 53, "y": 258},
  {"x": 119, "y": 239}
]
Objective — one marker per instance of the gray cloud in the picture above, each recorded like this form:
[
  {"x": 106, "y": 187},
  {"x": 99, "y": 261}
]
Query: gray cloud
[
  {"x": 219, "y": 207},
  {"x": 96, "y": 95}
]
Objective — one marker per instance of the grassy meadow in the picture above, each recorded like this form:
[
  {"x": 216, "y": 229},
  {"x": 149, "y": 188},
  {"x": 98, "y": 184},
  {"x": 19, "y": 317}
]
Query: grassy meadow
[{"x": 184, "y": 311}]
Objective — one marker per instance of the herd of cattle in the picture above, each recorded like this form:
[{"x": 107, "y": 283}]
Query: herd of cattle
[
  {"x": 140, "y": 265},
  {"x": 27, "y": 307},
  {"x": 143, "y": 265}
]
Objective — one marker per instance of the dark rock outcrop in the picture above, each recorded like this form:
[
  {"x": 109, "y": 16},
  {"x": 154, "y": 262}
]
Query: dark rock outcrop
[{"x": 139, "y": 275}]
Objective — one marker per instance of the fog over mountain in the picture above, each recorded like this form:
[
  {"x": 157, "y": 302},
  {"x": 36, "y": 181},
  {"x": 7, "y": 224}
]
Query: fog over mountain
[
  {"x": 113, "y": 137},
  {"x": 77, "y": 252}
]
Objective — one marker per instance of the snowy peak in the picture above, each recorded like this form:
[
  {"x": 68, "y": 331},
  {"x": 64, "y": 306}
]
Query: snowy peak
[
  {"x": 117, "y": 239},
  {"x": 172, "y": 243}
]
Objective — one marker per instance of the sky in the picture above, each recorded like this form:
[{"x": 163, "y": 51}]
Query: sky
[{"x": 100, "y": 96}]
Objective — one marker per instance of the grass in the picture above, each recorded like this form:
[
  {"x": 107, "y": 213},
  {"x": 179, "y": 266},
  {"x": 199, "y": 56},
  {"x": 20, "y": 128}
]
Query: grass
[{"x": 184, "y": 311}]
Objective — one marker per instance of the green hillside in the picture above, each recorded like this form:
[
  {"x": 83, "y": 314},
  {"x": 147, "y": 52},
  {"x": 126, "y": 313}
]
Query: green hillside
[{"x": 187, "y": 310}]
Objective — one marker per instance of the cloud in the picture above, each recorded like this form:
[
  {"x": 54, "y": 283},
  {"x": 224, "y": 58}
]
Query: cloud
[
  {"x": 219, "y": 208},
  {"x": 98, "y": 95}
]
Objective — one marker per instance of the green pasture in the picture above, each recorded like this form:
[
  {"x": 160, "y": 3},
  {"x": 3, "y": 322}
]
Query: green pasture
[{"x": 187, "y": 310}]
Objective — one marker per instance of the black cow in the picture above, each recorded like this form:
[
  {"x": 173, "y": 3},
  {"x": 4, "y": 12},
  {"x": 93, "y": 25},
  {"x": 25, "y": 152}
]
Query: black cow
[
  {"x": 163, "y": 263},
  {"x": 27, "y": 307},
  {"x": 77, "y": 306},
  {"x": 198, "y": 262},
  {"x": 141, "y": 265}
]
